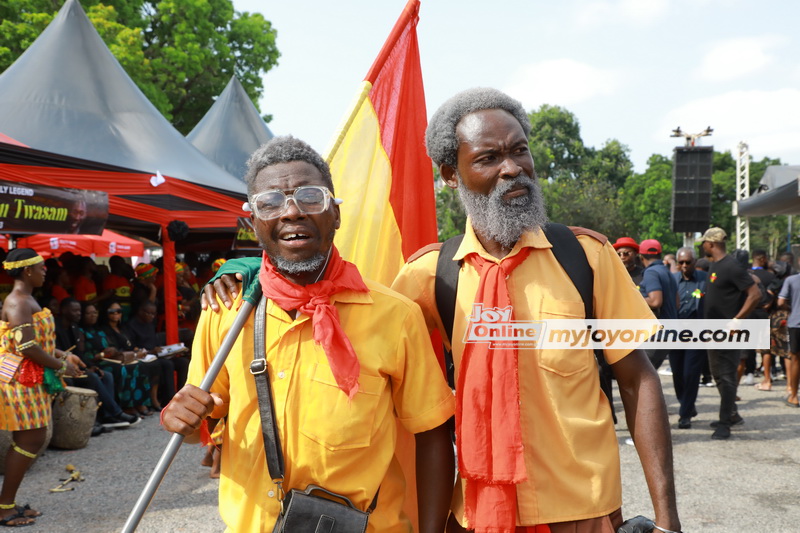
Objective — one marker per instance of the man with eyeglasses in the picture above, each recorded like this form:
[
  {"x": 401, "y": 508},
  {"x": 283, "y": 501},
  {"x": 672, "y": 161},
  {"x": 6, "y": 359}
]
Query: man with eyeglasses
[
  {"x": 687, "y": 365},
  {"x": 628, "y": 251},
  {"x": 347, "y": 359}
]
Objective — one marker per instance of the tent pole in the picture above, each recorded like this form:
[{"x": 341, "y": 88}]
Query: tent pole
[{"x": 170, "y": 287}]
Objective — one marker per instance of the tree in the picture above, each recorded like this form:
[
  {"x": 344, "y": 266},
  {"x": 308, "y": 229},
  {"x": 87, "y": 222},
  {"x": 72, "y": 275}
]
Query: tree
[
  {"x": 181, "y": 53},
  {"x": 646, "y": 203},
  {"x": 451, "y": 219},
  {"x": 555, "y": 142},
  {"x": 588, "y": 202},
  {"x": 611, "y": 163}
]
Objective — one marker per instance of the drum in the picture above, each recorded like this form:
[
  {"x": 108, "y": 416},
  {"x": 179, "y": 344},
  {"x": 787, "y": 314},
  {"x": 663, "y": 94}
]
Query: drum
[
  {"x": 74, "y": 412},
  {"x": 5, "y": 445}
]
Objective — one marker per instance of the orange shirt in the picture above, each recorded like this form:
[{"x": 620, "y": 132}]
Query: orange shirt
[
  {"x": 345, "y": 446},
  {"x": 571, "y": 453}
]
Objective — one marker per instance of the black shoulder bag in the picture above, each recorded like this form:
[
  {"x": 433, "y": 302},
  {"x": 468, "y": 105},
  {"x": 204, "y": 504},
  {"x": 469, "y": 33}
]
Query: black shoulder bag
[{"x": 300, "y": 510}]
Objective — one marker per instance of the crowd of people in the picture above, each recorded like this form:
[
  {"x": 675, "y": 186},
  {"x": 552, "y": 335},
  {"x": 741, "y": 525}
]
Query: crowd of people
[
  {"x": 720, "y": 285},
  {"x": 72, "y": 323}
]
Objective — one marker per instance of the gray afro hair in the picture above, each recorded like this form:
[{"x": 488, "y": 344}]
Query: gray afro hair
[
  {"x": 284, "y": 149},
  {"x": 440, "y": 137}
]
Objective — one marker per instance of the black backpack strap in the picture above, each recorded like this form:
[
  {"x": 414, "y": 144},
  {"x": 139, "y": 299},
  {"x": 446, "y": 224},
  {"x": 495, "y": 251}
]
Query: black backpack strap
[
  {"x": 570, "y": 255},
  {"x": 446, "y": 290}
]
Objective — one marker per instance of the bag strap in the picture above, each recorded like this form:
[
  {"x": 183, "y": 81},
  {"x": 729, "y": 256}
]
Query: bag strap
[
  {"x": 266, "y": 407},
  {"x": 446, "y": 290},
  {"x": 570, "y": 255},
  {"x": 260, "y": 370}
]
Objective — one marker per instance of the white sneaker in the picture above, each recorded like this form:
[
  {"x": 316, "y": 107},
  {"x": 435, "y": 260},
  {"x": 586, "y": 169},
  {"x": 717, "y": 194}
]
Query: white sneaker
[
  {"x": 749, "y": 379},
  {"x": 665, "y": 371}
]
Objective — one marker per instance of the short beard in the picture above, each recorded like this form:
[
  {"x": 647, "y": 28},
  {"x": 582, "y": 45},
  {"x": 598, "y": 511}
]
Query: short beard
[
  {"x": 285, "y": 266},
  {"x": 298, "y": 267},
  {"x": 501, "y": 221}
]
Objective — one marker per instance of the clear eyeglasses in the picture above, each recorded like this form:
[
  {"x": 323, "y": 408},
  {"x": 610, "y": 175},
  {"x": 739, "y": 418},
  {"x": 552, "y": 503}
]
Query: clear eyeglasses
[{"x": 310, "y": 200}]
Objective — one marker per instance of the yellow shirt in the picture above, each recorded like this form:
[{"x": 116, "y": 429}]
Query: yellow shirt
[
  {"x": 345, "y": 446},
  {"x": 571, "y": 453}
]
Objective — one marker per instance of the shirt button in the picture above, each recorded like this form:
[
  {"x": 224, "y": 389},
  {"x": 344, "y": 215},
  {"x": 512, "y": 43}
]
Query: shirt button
[
  {"x": 281, "y": 374},
  {"x": 271, "y": 494}
]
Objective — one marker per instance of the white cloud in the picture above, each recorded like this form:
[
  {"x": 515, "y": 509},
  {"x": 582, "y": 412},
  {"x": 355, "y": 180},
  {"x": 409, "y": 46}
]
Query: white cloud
[
  {"x": 601, "y": 12},
  {"x": 736, "y": 58},
  {"x": 768, "y": 121},
  {"x": 560, "y": 82}
]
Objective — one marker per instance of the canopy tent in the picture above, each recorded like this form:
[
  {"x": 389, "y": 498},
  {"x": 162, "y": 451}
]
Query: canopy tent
[
  {"x": 105, "y": 245},
  {"x": 69, "y": 95},
  {"x": 778, "y": 194},
  {"x": 69, "y": 99},
  {"x": 231, "y": 130}
]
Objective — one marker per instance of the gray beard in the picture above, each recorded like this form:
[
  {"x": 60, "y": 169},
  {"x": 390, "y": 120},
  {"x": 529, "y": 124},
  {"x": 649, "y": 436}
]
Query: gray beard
[
  {"x": 501, "y": 221},
  {"x": 298, "y": 267}
]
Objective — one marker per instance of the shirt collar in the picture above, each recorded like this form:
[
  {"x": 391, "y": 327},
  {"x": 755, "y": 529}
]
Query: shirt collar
[
  {"x": 471, "y": 244},
  {"x": 345, "y": 297}
]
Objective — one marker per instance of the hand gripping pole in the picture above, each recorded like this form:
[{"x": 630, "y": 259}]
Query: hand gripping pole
[{"x": 177, "y": 439}]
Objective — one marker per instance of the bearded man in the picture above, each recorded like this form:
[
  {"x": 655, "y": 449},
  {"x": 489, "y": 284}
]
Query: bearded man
[
  {"x": 558, "y": 466},
  {"x": 347, "y": 359}
]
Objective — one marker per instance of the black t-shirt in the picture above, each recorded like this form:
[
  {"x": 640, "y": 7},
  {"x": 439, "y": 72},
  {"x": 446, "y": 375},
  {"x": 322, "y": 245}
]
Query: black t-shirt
[{"x": 726, "y": 289}]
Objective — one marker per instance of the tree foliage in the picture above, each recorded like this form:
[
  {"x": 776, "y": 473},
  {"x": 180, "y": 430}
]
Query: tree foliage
[
  {"x": 181, "y": 53},
  {"x": 555, "y": 142}
]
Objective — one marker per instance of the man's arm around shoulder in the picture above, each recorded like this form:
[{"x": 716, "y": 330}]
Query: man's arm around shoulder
[{"x": 646, "y": 414}]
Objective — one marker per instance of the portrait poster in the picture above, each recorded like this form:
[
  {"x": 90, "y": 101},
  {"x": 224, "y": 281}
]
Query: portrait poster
[{"x": 31, "y": 208}]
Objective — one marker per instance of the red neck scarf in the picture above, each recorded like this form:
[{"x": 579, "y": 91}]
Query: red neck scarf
[
  {"x": 315, "y": 301},
  {"x": 490, "y": 452}
]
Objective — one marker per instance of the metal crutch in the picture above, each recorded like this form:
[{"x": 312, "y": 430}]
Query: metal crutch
[{"x": 177, "y": 439}]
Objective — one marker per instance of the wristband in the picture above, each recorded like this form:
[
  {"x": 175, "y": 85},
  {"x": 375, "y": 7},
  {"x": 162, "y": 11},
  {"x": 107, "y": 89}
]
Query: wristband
[
  {"x": 665, "y": 530},
  {"x": 61, "y": 371}
]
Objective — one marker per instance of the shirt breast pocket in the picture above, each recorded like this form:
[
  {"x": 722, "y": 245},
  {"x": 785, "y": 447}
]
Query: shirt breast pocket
[
  {"x": 562, "y": 362},
  {"x": 331, "y": 419}
]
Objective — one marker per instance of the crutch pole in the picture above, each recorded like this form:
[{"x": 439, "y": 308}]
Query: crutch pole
[{"x": 176, "y": 439}]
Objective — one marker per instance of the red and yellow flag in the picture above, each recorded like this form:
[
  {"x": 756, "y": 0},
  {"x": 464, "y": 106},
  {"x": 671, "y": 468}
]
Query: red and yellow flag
[{"x": 379, "y": 164}]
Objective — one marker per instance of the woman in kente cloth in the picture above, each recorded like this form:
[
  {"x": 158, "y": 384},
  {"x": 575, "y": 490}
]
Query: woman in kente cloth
[
  {"x": 116, "y": 355},
  {"x": 30, "y": 369}
]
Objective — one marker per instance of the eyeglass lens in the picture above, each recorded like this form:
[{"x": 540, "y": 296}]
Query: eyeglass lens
[{"x": 309, "y": 200}]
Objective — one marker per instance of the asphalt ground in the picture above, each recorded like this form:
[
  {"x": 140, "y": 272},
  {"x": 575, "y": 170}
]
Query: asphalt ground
[{"x": 748, "y": 483}]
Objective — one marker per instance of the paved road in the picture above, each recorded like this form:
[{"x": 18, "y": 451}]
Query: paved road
[{"x": 749, "y": 483}]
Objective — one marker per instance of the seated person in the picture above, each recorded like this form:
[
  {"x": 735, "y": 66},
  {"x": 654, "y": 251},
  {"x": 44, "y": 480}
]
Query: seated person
[
  {"x": 131, "y": 391},
  {"x": 141, "y": 331},
  {"x": 70, "y": 338}
]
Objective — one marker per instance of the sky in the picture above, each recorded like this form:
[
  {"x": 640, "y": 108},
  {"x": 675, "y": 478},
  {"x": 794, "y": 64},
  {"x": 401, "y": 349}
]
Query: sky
[{"x": 631, "y": 70}]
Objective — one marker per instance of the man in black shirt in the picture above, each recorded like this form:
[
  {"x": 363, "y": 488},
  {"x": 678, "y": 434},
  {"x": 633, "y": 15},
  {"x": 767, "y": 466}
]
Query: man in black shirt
[
  {"x": 141, "y": 330},
  {"x": 731, "y": 294}
]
